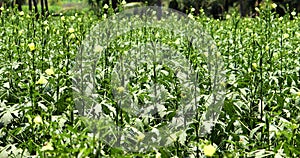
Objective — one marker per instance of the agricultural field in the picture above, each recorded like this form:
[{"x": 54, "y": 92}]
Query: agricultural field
[{"x": 41, "y": 87}]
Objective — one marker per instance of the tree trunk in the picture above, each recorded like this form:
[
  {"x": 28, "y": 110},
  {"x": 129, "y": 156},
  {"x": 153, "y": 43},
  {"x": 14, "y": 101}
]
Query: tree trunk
[
  {"x": 197, "y": 7},
  {"x": 46, "y": 4},
  {"x": 30, "y": 5},
  {"x": 226, "y": 6},
  {"x": 36, "y": 8},
  {"x": 243, "y": 8},
  {"x": 19, "y": 3},
  {"x": 42, "y": 8},
  {"x": 159, "y": 12}
]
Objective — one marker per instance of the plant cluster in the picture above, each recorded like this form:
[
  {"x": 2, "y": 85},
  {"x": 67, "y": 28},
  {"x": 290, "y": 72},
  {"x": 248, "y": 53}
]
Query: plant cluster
[{"x": 260, "y": 116}]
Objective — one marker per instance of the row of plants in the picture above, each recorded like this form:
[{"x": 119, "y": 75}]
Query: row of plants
[{"x": 260, "y": 115}]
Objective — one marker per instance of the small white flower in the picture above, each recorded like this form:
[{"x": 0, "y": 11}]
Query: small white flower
[
  {"x": 45, "y": 22},
  {"x": 191, "y": 16},
  {"x": 123, "y": 2},
  {"x": 293, "y": 13},
  {"x": 158, "y": 155},
  {"x": 105, "y": 6},
  {"x": 98, "y": 49},
  {"x": 228, "y": 16}
]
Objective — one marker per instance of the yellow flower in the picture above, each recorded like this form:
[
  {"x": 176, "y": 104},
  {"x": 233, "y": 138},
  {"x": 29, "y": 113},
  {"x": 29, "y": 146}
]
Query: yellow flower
[
  {"x": 273, "y": 5},
  {"x": 123, "y": 2},
  {"x": 105, "y": 6},
  {"x": 62, "y": 18},
  {"x": 256, "y": 9},
  {"x": 72, "y": 36},
  {"x": 1, "y": 8},
  {"x": 31, "y": 46},
  {"x": 42, "y": 80},
  {"x": 71, "y": 30},
  {"x": 49, "y": 71},
  {"x": 285, "y": 36},
  {"x": 21, "y": 32},
  {"x": 140, "y": 137},
  {"x": 280, "y": 18},
  {"x": 298, "y": 94},
  {"x": 177, "y": 42},
  {"x": 72, "y": 17},
  {"x": 48, "y": 146},
  {"x": 254, "y": 65},
  {"x": 38, "y": 120},
  {"x": 157, "y": 35},
  {"x": 21, "y": 13},
  {"x": 297, "y": 34},
  {"x": 267, "y": 47},
  {"x": 120, "y": 89},
  {"x": 209, "y": 150}
]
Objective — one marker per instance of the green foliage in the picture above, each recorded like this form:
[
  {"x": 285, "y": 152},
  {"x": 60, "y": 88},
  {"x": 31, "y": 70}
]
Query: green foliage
[{"x": 260, "y": 116}]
